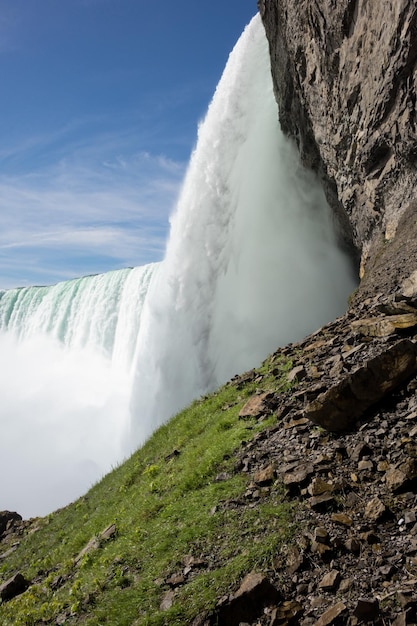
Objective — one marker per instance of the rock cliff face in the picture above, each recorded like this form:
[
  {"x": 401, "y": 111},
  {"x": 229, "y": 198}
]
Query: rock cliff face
[{"x": 345, "y": 79}]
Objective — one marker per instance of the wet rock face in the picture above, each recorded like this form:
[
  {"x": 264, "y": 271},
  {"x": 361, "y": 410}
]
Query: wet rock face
[{"x": 345, "y": 79}]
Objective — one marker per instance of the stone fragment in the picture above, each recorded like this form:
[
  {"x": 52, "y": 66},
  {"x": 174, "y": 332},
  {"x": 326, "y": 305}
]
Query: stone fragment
[
  {"x": 395, "y": 479},
  {"x": 321, "y": 535},
  {"x": 314, "y": 372},
  {"x": 404, "y": 320},
  {"x": 409, "y": 285},
  {"x": 172, "y": 455},
  {"x": 347, "y": 352},
  {"x": 331, "y": 615},
  {"x": 258, "y": 405},
  {"x": 317, "y": 602},
  {"x": 396, "y": 306},
  {"x": 322, "y": 549},
  {"x": 330, "y": 581},
  {"x": 345, "y": 585},
  {"x": 400, "y": 620},
  {"x": 320, "y": 343},
  {"x": 296, "y": 374},
  {"x": 167, "y": 600},
  {"x": 338, "y": 408},
  {"x": 108, "y": 533},
  {"x": 374, "y": 327},
  {"x": 406, "y": 598},
  {"x": 302, "y": 589},
  {"x": 95, "y": 542},
  {"x": 175, "y": 580},
  {"x": 364, "y": 466},
  {"x": 58, "y": 581},
  {"x": 409, "y": 467},
  {"x": 357, "y": 452},
  {"x": 91, "y": 546},
  {"x": 387, "y": 571},
  {"x": 257, "y": 584},
  {"x": 353, "y": 545},
  {"x": 299, "y": 422},
  {"x": 294, "y": 561},
  {"x": 193, "y": 562},
  {"x": 298, "y": 475},
  {"x": 375, "y": 509},
  {"x": 342, "y": 519},
  {"x": 322, "y": 502},
  {"x": 370, "y": 537},
  {"x": 322, "y": 459},
  {"x": 13, "y": 587},
  {"x": 255, "y": 593},
  {"x": 366, "y": 610},
  {"x": 410, "y": 518},
  {"x": 287, "y": 613},
  {"x": 385, "y": 326},
  {"x": 319, "y": 486},
  {"x": 265, "y": 476},
  {"x": 8, "y": 552}
]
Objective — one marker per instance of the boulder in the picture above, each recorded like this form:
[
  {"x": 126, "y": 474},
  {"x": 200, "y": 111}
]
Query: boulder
[
  {"x": 13, "y": 587},
  {"x": 339, "y": 408},
  {"x": 258, "y": 405},
  {"x": 7, "y": 518},
  {"x": 331, "y": 615},
  {"x": 247, "y": 604}
]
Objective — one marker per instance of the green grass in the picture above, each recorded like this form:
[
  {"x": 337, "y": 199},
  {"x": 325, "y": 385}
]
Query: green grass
[{"x": 164, "y": 509}]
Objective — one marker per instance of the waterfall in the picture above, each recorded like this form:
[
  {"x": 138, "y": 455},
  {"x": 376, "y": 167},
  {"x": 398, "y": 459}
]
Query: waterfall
[
  {"x": 92, "y": 366},
  {"x": 66, "y": 355},
  {"x": 252, "y": 261},
  {"x": 100, "y": 313}
]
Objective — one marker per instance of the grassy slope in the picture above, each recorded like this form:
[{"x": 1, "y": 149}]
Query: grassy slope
[{"x": 163, "y": 510}]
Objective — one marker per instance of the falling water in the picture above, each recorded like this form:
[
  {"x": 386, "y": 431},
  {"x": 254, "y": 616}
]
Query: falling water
[{"x": 252, "y": 261}]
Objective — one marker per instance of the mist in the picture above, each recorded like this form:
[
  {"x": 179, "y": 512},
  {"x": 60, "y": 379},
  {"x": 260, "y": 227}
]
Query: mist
[{"x": 62, "y": 415}]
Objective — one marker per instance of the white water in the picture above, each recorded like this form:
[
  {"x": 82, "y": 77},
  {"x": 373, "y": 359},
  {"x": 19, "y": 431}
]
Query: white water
[
  {"x": 251, "y": 263},
  {"x": 65, "y": 360}
]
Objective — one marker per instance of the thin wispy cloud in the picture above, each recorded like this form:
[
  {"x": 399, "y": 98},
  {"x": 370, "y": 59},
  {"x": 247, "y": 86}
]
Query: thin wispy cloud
[{"x": 99, "y": 208}]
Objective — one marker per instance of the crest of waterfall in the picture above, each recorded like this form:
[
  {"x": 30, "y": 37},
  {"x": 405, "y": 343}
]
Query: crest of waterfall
[{"x": 100, "y": 313}]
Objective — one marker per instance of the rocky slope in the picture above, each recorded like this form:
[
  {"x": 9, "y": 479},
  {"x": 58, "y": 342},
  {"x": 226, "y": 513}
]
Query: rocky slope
[
  {"x": 351, "y": 483},
  {"x": 345, "y": 78},
  {"x": 354, "y": 560}
]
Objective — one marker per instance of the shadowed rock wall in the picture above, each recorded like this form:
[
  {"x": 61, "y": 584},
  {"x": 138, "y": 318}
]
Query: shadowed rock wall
[{"x": 345, "y": 78}]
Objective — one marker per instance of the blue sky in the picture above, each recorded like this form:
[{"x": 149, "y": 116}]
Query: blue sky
[{"x": 98, "y": 116}]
